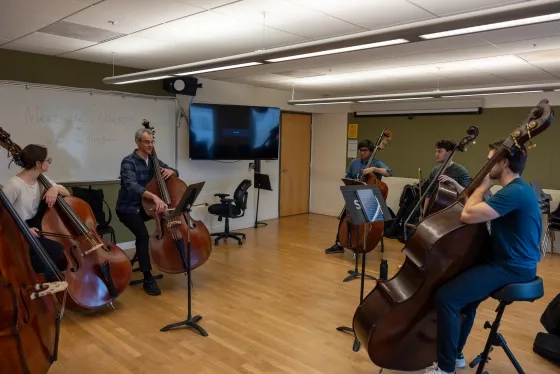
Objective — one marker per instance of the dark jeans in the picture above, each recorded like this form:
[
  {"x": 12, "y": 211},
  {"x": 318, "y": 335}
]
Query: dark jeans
[
  {"x": 135, "y": 223},
  {"x": 55, "y": 252},
  {"x": 463, "y": 294}
]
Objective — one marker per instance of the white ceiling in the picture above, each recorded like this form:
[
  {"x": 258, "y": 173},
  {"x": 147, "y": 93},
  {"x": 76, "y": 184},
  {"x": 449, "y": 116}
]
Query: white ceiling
[{"x": 149, "y": 34}]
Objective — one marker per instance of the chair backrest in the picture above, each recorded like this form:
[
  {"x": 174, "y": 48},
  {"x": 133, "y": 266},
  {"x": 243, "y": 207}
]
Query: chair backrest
[
  {"x": 240, "y": 195},
  {"x": 95, "y": 199}
]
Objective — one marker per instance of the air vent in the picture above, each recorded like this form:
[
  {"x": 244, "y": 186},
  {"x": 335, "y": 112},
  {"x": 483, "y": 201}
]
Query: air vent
[
  {"x": 299, "y": 73},
  {"x": 80, "y": 32}
]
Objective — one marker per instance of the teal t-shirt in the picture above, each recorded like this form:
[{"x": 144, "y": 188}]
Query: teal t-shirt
[{"x": 516, "y": 233}]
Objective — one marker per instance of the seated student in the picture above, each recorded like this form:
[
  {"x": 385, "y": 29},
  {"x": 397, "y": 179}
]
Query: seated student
[
  {"x": 454, "y": 173},
  {"x": 357, "y": 166},
  {"x": 516, "y": 225},
  {"x": 25, "y": 193}
]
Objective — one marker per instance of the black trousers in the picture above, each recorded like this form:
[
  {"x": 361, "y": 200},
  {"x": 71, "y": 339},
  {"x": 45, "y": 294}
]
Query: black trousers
[
  {"x": 55, "y": 252},
  {"x": 342, "y": 221},
  {"x": 135, "y": 222}
]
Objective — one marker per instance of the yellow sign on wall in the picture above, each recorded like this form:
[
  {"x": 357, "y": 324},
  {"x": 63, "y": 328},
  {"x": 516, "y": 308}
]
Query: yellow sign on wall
[{"x": 353, "y": 131}]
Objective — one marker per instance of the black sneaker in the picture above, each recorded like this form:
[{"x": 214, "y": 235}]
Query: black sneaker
[
  {"x": 151, "y": 287},
  {"x": 337, "y": 248}
]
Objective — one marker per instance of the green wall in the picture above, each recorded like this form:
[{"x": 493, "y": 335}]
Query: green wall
[
  {"x": 412, "y": 146},
  {"x": 35, "y": 68}
]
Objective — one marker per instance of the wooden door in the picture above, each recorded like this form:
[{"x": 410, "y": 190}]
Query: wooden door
[{"x": 295, "y": 163}]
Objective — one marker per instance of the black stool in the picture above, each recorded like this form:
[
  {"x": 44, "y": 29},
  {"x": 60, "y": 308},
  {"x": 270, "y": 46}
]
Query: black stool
[{"x": 506, "y": 295}]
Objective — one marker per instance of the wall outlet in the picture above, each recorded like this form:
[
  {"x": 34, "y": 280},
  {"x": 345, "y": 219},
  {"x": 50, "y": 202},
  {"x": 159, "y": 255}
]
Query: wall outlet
[{"x": 251, "y": 166}]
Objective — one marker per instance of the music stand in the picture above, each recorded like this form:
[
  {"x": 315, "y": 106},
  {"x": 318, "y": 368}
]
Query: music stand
[
  {"x": 365, "y": 204},
  {"x": 185, "y": 205},
  {"x": 354, "y": 273},
  {"x": 262, "y": 181}
]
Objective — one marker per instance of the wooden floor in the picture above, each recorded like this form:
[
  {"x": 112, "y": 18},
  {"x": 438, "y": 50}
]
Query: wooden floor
[{"x": 269, "y": 306}]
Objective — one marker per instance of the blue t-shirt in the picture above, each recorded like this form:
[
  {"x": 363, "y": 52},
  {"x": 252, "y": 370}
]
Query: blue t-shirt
[
  {"x": 357, "y": 165},
  {"x": 516, "y": 233}
]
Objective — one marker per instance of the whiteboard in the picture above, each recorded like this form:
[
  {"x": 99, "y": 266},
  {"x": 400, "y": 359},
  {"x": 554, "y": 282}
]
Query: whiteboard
[{"x": 87, "y": 132}]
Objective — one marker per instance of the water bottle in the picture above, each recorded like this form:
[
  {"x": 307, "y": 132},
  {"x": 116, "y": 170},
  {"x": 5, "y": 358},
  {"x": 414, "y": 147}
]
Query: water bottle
[{"x": 383, "y": 269}]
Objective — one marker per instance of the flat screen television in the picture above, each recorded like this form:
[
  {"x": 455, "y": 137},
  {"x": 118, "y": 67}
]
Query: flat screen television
[{"x": 233, "y": 132}]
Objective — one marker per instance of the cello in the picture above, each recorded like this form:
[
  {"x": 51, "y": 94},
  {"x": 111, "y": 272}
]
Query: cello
[
  {"x": 97, "y": 272},
  {"x": 29, "y": 322},
  {"x": 163, "y": 250},
  {"x": 375, "y": 229},
  {"x": 397, "y": 321}
]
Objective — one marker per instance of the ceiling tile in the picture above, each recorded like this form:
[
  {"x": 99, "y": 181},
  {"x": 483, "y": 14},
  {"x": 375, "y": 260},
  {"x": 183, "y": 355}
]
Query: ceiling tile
[
  {"x": 15, "y": 25},
  {"x": 40, "y": 49},
  {"x": 442, "y": 8},
  {"x": 56, "y": 42},
  {"x": 531, "y": 45},
  {"x": 127, "y": 46},
  {"x": 54, "y": 9},
  {"x": 289, "y": 17},
  {"x": 369, "y": 14},
  {"x": 132, "y": 15},
  {"x": 207, "y": 4}
]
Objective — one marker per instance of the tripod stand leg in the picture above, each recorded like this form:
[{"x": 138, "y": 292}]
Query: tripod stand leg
[
  {"x": 355, "y": 273},
  {"x": 190, "y": 321}
]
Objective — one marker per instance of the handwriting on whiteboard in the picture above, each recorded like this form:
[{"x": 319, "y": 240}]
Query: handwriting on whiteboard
[{"x": 40, "y": 115}]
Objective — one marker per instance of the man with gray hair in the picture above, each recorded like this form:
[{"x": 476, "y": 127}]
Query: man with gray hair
[{"x": 137, "y": 170}]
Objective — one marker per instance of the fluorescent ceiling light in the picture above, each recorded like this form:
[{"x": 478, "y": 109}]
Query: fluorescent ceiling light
[
  {"x": 221, "y": 68},
  {"x": 417, "y": 111},
  {"x": 495, "y": 93},
  {"x": 405, "y": 98},
  {"x": 493, "y": 26},
  {"x": 331, "y": 102},
  {"x": 145, "y": 79},
  {"x": 519, "y": 89},
  {"x": 340, "y": 50}
]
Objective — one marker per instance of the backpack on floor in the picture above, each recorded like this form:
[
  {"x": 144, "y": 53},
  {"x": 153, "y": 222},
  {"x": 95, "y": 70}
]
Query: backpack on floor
[
  {"x": 547, "y": 346},
  {"x": 550, "y": 318},
  {"x": 409, "y": 198}
]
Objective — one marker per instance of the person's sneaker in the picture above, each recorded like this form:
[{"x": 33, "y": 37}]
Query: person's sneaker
[
  {"x": 151, "y": 287},
  {"x": 460, "y": 361},
  {"x": 337, "y": 248},
  {"x": 434, "y": 369}
]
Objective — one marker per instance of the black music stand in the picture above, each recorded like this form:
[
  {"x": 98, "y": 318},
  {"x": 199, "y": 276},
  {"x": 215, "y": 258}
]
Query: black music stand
[
  {"x": 185, "y": 205},
  {"x": 354, "y": 273},
  {"x": 262, "y": 182},
  {"x": 365, "y": 204}
]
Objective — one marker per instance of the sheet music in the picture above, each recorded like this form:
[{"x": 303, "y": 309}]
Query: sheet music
[{"x": 370, "y": 205}]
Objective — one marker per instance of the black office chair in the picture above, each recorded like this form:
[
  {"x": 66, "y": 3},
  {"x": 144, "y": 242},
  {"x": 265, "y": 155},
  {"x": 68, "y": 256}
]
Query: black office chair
[
  {"x": 231, "y": 208},
  {"x": 96, "y": 200},
  {"x": 528, "y": 291}
]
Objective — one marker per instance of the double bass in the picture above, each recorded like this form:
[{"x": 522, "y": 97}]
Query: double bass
[
  {"x": 350, "y": 233},
  {"x": 163, "y": 250},
  {"x": 397, "y": 321},
  {"x": 29, "y": 321},
  {"x": 97, "y": 272}
]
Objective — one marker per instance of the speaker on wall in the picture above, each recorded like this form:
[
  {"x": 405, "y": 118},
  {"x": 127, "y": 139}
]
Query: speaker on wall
[{"x": 182, "y": 85}]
